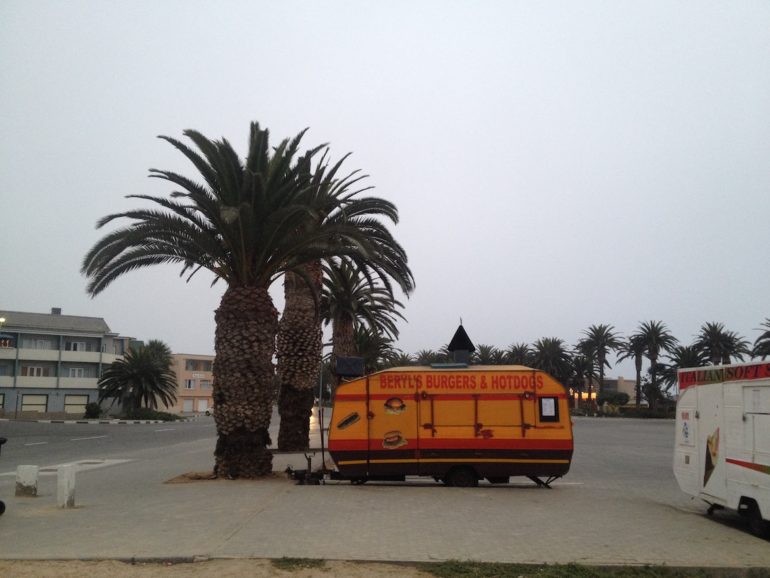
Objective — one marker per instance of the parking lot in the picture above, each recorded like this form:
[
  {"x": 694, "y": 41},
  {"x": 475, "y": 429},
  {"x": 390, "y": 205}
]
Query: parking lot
[{"x": 618, "y": 505}]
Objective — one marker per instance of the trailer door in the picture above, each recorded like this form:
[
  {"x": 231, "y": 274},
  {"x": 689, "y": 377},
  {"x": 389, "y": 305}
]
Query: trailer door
[{"x": 711, "y": 441}]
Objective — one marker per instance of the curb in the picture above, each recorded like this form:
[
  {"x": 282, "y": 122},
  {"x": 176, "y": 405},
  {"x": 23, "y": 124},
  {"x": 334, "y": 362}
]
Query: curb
[{"x": 105, "y": 421}]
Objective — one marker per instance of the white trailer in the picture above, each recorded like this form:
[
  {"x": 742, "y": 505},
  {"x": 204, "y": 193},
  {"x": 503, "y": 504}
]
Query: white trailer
[{"x": 722, "y": 452}]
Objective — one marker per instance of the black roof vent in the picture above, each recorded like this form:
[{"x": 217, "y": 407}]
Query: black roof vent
[{"x": 461, "y": 346}]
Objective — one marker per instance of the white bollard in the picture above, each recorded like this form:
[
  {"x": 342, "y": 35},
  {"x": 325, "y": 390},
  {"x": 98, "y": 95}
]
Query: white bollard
[
  {"x": 65, "y": 486},
  {"x": 26, "y": 480}
]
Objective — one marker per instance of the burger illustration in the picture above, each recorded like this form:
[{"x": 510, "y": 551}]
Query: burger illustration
[
  {"x": 395, "y": 406},
  {"x": 393, "y": 439}
]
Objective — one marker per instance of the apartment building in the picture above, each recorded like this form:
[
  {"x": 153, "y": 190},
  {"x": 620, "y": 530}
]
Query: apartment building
[
  {"x": 195, "y": 380},
  {"x": 51, "y": 363}
]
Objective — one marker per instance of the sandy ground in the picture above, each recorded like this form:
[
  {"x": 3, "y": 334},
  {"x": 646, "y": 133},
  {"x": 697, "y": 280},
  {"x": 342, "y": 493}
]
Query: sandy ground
[{"x": 213, "y": 568}]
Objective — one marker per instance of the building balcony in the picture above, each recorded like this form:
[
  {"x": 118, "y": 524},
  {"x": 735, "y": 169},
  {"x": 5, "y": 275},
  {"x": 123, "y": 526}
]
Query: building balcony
[
  {"x": 6, "y": 381},
  {"x": 39, "y": 354},
  {"x": 7, "y": 353},
  {"x": 41, "y": 382},
  {"x": 108, "y": 358},
  {"x": 81, "y": 356},
  {"x": 78, "y": 383}
]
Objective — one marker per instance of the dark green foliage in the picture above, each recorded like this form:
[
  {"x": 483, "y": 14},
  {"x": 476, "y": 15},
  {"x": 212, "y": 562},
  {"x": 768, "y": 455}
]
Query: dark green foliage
[
  {"x": 142, "y": 377},
  {"x": 376, "y": 348},
  {"x": 762, "y": 343},
  {"x": 550, "y": 355},
  {"x": 613, "y": 398},
  {"x": 93, "y": 410},
  {"x": 718, "y": 345},
  {"x": 598, "y": 342},
  {"x": 351, "y": 296}
]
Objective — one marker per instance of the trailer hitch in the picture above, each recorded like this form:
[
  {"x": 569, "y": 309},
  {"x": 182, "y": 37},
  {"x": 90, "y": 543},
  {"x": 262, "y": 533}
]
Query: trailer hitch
[
  {"x": 307, "y": 477},
  {"x": 544, "y": 484}
]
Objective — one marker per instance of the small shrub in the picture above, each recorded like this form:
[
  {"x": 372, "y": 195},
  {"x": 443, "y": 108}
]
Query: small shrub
[
  {"x": 93, "y": 410},
  {"x": 613, "y": 398}
]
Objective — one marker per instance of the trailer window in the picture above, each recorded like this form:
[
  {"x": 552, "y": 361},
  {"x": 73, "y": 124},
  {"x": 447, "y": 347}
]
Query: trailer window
[{"x": 549, "y": 409}]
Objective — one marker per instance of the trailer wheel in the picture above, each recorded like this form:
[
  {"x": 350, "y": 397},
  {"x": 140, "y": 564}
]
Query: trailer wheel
[
  {"x": 462, "y": 478},
  {"x": 2, "y": 508},
  {"x": 757, "y": 525}
]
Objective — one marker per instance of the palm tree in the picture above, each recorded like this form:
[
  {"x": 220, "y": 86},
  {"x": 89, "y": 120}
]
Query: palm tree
[
  {"x": 680, "y": 357},
  {"x": 656, "y": 338},
  {"x": 762, "y": 343},
  {"x": 376, "y": 348},
  {"x": 400, "y": 359},
  {"x": 428, "y": 357},
  {"x": 634, "y": 347},
  {"x": 588, "y": 369},
  {"x": 298, "y": 344},
  {"x": 488, "y": 355},
  {"x": 350, "y": 299},
  {"x": 142, "y": 377},
  {"x": 719, "y": 345},
  {"x": 550, "y": 355},
  {"x": 518, "y": 354},
  {"x": 245, "y": 223},
  {"x": 599, "y": 340},
  {"x": 582, "y": 374}
]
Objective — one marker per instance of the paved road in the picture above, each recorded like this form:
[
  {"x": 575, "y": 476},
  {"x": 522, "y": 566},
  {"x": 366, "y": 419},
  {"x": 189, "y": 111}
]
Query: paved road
[
  {"x": 56, "y": 443},
  {"x": 49, "y": 444}
]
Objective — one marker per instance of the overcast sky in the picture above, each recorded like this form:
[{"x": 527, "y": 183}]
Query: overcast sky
[{"x": 555, "y": 164}]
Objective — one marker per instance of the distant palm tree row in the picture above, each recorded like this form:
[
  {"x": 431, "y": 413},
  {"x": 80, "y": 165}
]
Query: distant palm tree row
[{"x": 583, "y": 365}]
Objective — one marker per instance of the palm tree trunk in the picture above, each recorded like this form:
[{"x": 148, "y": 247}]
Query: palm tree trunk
[
  {"x": 589, "y": 379},
  {"x": 638, "y": 364},
  {"x": 654, "y": 380},
  {"x": 246, "y": 324},
  {"x": 601, "y": 377},
  {"x": 343, "y": 345},
  {"x": 299, "y": 357}
]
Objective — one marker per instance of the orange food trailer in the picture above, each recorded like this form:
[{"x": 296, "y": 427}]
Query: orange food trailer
[{"x": 452, "y": 422}]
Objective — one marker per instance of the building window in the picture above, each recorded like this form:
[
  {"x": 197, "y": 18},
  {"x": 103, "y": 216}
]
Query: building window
[
  {"x": 2, "y": 401},
  {"x": 189, "y": 384},
  {"x": 43, "y": 344},
  {"x": 38, "y": 403},
  {"x": 197, "y": 365},
  {"x": 35, "y": 371},
  {"x": 75, "y": 346},
  {"x": 77, "y": 372},
  {"x": 205, "y": 384},
  {"x": 75, "y": 404}
]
